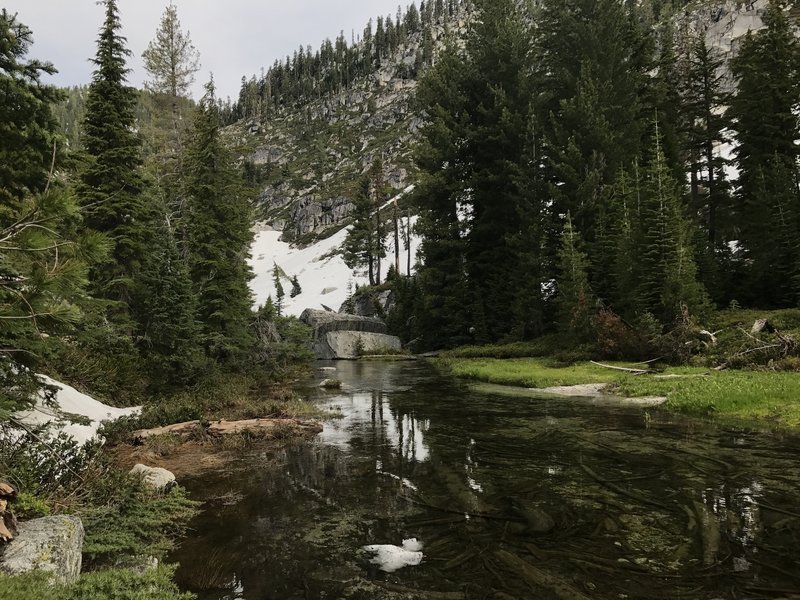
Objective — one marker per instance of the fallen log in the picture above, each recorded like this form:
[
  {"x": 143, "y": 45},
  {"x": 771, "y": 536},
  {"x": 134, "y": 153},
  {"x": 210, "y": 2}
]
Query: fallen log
[
  {"x": 219, "y": 428},
  {"x": 184, "y": 429},
  {"x": 624, "y": 369}
]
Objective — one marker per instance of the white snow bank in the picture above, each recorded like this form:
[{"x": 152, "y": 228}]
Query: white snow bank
[
  {"x": 324, "y": 279},
  {"x": 71, "y": 401},
  {"x": 390, "y": 558}
]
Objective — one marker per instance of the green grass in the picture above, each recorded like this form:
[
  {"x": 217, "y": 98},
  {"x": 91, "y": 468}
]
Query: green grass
[
  {"x": 761, "y": 396},
  {"x": 526, "y": 372},
  {"x": 754, "y": 396}
]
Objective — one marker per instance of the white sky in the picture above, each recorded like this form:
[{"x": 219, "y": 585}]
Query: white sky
[{"x": 234, "y": 37}]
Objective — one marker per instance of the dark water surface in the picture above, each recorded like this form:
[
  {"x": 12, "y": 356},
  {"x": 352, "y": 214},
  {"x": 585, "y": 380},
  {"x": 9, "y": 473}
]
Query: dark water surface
[{"x": 512, "y": 497}]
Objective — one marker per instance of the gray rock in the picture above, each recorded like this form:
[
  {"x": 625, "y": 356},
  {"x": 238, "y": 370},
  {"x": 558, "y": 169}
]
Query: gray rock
[
  {"x": 51, "y": 544},
  {"x": 340, "y": 336},
  {"x": 156, "y": 477}
]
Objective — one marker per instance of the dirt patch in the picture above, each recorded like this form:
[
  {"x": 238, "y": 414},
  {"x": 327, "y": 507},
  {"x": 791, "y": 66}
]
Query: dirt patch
[{"x": 188, "y": 459}]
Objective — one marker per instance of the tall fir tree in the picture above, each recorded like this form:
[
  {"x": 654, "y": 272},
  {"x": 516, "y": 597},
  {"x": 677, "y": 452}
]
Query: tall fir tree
[
  {"x": 593, "y": 62},
  {"x": 28, "y": 131},
  {"x": 219, "y": 236},
  {"x": 43, "y": 270},
  {"x": 666, "y": 268},
  {"x": 764, "y": 110},
  {"x": 111, "y": 184}
]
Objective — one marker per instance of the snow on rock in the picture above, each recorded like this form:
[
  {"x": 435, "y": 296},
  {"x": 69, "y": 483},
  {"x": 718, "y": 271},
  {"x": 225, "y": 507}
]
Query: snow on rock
[
  {"x": 324, "y": 279},
  {"x": 390, "y": 558},
  {"x": 69, "y": 401}
]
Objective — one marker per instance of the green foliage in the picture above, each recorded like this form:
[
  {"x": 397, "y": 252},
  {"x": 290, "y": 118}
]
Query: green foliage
[
  {"x": 575, "y": 301},
  {"x": 124, "y": 517},
  {"x": 27, "y": 127},
  {"x": 43, "y": 465},
  {"x": 170, "y": 59},
  {"x": 764, "y": 108},
  {"x": 110, "y": 182},
  {"x": 112, "y": 584},
  {"x": 219, "y": 236},
  {"x": 281, "y": 342}
]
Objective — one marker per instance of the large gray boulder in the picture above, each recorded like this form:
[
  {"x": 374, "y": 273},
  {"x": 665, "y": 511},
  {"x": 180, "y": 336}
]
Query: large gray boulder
[
  {"x": 340, "y": 336},
  {"x": 50, "y": 544}
]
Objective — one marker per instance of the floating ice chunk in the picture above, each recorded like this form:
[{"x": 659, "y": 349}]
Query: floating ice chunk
[{"x": 390, "y": 558}]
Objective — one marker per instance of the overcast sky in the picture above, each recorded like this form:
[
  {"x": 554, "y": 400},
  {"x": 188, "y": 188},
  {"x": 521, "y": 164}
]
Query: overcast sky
[{"x": 234, "y": 37}]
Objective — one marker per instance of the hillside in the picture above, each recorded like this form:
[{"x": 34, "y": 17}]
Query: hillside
[{"x": 309, "y": 157}]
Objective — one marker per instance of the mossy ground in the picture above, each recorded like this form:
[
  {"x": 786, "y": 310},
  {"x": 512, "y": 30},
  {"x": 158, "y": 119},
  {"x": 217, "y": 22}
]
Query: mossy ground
[{"x": 767, "y": 397}]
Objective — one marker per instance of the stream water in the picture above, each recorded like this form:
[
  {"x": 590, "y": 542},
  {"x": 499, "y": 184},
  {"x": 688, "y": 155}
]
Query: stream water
[{"x": 511, "y": 495}]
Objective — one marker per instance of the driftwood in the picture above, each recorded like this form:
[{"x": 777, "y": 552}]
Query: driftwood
[
  {"x": 187, "y": 428},
  {"x": 220, "y": 428},
  {"x": 624, "y": 369},
  {"x": 8, "y": 522}
]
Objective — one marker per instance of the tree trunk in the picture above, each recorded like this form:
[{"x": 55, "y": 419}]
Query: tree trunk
[{"x": 396, "y": 241}]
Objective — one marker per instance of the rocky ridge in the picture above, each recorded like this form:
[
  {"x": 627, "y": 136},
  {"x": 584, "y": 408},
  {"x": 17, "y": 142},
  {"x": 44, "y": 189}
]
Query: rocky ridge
[{"x": 311, "y": 157}]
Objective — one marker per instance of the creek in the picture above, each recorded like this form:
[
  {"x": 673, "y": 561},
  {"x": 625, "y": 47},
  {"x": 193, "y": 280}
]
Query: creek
[{"x": 511, "y": 495}]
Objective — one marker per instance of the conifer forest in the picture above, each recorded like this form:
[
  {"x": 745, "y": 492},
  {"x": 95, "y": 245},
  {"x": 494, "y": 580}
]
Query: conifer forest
[{"x": 596, "y": 192}]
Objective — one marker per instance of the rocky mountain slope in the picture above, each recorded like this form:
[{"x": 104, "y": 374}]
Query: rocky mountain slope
[{"x": 310, "y": 158}]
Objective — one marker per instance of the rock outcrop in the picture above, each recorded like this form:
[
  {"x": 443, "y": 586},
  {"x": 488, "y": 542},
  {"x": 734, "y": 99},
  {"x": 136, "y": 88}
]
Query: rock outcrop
[
  {"x": 157, "y": 478},
  {"x": 341, "y": 336},
  {"x": 51, "y": 544}
]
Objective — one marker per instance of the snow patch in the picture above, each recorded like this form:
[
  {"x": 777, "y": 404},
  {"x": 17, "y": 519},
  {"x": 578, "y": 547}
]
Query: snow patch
[
  {"x": 69, "y": 401},
  {"x": 324, "y": 279}
]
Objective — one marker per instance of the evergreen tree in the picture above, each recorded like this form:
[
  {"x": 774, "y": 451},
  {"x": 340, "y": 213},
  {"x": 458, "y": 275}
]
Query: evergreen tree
[
  {"x": 593, "y": 59},
  {"x": 474, "y": 191},
  {"x": 43, "y": 269},
  {"x": 360, "y": 247},
  {"x": 575, "y": 302},
  {"x": 279, "y": 293},
  {"x": 764, "y": 109},
  {"x": 705, "y": 98},
  {"x": 219, "y": 236},
  {"x": 111, "y": 183},
  {"x": 442, "y": 315},
  {"x": 28, "y": 139},
  {"x": 666, "y": 269},
  {"x": 171, "y": 59},
  {"x": 164, "y": 304}
]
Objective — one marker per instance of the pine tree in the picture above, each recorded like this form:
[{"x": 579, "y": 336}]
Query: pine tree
[
  {"x": 28, "y": 140},
  {"x": 111, "y": 183},
  {"x": 475, "y": 193},
  {"x": 43, "y": 270},
  {"x": 219, "y": 236},
  {"x": 279, "y": 293},
  {"x": 442, "y": 315},
  {"x": 666, "y": 269},
  {"x": 593, "y": 59},
  {"x": 575, "y": 302},
  {"x": 171, "y": 59},
  {"x": 164, "y": 305},
  {"x": 764, "y": 109},
  {"x": 705, "y": 98},
  {"x": 360, "y": 247}
]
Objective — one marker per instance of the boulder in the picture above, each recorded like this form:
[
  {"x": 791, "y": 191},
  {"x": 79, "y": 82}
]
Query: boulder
[
  {"x": 156, "y": 477},
  {"x": 51, "y": 544},
  {"x": 340, "y": 336}
]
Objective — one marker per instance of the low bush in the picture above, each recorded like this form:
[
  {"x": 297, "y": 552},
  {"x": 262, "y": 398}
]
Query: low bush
[{"x": 152, "y": 584}]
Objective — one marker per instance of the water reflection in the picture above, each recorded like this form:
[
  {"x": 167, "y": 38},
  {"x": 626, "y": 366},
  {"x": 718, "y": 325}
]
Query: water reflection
[{"x": 513, "y": 498}]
